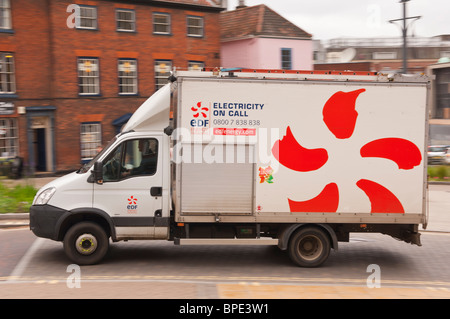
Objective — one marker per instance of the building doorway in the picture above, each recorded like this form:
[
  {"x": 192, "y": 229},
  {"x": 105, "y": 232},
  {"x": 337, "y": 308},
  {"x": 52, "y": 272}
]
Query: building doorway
[
  {"x": 42, "y": 144},
  {"x": 40, "y": 149},
  {"x": 40, "y": 140}
]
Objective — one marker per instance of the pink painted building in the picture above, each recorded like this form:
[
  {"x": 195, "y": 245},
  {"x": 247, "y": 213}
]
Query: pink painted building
[{"x": 259, "y": 38}]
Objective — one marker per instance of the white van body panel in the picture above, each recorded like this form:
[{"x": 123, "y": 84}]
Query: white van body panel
[
  {"x": 153, "y": 114},
  {"x": 72, "y": 191}
]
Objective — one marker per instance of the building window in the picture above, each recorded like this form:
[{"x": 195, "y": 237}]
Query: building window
[
  {"x": 87, "y": 18},
  {"x": 9, "y": 138},
  {"x": 442, "y": 93},
  {"x": 5, "y": 15},
  {"x": 384, "y": 55},
  {"x": 286, "y": 59},
  {"x": 162, "y": 73},
  {"x": 195, "y": 66},
  {"x": 444, "y": 54},
  {"x": 91, "y": 140},
  {"x": 125, "y": 20},
  {"x": 127, "y": 76},
  {"x": 88, "y": 76},
  {"x": 161, "y": 23},
  {"x": 195, "y": 26},
  {"x": 7, "y": 73}
]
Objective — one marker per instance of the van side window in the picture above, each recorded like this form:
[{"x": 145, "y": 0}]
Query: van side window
[
  {"x": 131, "y": 158},
  {"x": 111, "y": 165},
  {"x": 141, "y": 157}
]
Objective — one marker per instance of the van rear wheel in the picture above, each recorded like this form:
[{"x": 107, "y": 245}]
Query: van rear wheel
[
  {"x": 309, "y": 247},
  {"x": 86, "y": 243}
]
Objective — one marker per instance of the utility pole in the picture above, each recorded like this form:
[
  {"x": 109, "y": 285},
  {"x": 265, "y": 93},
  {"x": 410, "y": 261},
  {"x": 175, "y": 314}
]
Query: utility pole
[{"x": 405, "y": 34}]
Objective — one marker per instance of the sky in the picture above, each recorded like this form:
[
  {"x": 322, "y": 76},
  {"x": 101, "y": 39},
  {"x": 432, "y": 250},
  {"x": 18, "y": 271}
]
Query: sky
[{"x": 329, "y": 19}]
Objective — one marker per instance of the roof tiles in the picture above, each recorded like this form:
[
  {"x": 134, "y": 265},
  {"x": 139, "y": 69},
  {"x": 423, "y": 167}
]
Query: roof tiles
[
  {"x": 257, "y": 21},
  {"x": 204, "y": 3}
]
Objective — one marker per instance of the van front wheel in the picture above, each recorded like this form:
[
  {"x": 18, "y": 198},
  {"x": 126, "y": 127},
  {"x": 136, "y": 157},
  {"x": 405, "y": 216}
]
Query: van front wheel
[{"x": 86, "y": 243}]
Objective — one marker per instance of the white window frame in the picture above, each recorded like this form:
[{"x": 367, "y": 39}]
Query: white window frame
[
  {"x": 9, "y": 138},
  {"x": 128, "y": 76},
  {"x": 131, "y": 21},
  {"x": 200, "y": 28},
  {"x": 5, "y": 15},
  {"x": 161, "y": 77},
  {"x": 88, "y": 76},
  {"x": 81, "y": 22},
  {"x": 7, "y": 73},
  {"x": 90, "y": 140},
  {"x": 167, "y": 24},
  {"x": 195, "y": 66}
]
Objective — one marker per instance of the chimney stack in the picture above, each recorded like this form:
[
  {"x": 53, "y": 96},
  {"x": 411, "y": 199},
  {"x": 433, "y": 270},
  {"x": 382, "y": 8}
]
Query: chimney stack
[{"x": 241, "y": 4}]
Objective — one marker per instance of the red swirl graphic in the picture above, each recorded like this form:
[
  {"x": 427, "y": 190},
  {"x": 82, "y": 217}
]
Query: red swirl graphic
[{"x": 294, "y": 156}]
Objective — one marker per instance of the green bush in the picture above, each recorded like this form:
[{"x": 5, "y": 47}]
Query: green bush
[
  {"x": 17, "y": 199},
  {"x": 439, "y": 173}
]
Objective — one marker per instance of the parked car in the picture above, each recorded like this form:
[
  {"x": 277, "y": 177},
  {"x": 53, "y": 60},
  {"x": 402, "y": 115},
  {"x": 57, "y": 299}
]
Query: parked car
[{"x": 439, "y": 154}]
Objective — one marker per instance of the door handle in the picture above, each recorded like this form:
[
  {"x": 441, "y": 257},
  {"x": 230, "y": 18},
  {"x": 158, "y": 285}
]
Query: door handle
[{"x": 156, "y": 191}]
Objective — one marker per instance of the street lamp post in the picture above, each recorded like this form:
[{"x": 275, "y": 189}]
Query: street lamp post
[{"x": 405, "y": 33}]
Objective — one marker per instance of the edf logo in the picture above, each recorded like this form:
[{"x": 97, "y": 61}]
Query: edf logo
[
  {"x": 132, "y": 205},
  {"x": 200, "y": 114}
]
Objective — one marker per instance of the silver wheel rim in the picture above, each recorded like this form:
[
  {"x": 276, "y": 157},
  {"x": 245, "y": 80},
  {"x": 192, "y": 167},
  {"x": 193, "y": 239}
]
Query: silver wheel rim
[
  {"x": 310, "y": 247},
  {"x": 86, "y": 244}
]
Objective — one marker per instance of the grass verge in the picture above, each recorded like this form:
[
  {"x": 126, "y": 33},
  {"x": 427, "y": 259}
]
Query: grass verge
[
  {"x": 17, "y": 199},
  {"x": 439, "y": 173}
]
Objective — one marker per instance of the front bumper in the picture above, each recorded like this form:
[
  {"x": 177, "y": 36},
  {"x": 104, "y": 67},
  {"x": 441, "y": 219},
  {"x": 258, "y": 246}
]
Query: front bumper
[{"x": 44, "y": 220}]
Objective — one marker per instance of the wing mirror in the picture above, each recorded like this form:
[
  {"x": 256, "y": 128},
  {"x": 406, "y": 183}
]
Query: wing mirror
[{"x": 98, "y": 172}]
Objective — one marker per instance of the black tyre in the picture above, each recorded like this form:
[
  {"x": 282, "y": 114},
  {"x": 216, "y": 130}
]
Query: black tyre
[
  {"x": 309, "y": 247},
  {"x": 86, "y": 243}
]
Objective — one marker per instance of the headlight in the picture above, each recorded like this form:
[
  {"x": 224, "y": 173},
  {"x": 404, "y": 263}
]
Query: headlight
[{"x": 44, "y": 196}]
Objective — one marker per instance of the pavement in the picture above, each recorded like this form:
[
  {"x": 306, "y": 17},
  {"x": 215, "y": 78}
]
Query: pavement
[{"x": 439, "y": 222}]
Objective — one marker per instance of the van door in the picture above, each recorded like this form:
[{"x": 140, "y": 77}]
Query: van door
[{"x": 131, "y": 192}]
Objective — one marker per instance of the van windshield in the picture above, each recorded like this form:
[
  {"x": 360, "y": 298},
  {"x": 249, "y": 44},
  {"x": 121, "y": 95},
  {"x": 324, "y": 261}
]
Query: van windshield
[{"x": 86, "y": 167}]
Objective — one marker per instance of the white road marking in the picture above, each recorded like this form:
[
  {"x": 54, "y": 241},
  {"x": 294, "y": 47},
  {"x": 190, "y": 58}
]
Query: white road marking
[{"x": 25, "y": 260}]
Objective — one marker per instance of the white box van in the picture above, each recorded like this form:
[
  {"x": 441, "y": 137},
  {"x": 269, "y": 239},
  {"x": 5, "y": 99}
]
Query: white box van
[{"x": 294, "y": 159}]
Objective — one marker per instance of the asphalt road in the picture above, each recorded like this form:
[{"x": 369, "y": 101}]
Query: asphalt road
[
  {"x": 32, "y": 267},
  {"x": 145, "y": 269}
]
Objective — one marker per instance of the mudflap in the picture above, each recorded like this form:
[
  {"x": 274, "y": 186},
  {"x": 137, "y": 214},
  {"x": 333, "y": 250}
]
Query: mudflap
[{"x": 410, "y": 238}]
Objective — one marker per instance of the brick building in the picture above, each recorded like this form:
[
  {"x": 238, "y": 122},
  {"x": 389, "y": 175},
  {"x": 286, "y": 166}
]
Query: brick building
[{"x": 72, "y": 72}]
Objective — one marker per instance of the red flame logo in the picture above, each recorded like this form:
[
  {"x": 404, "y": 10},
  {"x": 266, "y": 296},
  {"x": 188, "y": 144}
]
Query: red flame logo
[
  {"x": 132, "y": 200},
  {"x": 199, "y": 110}
]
